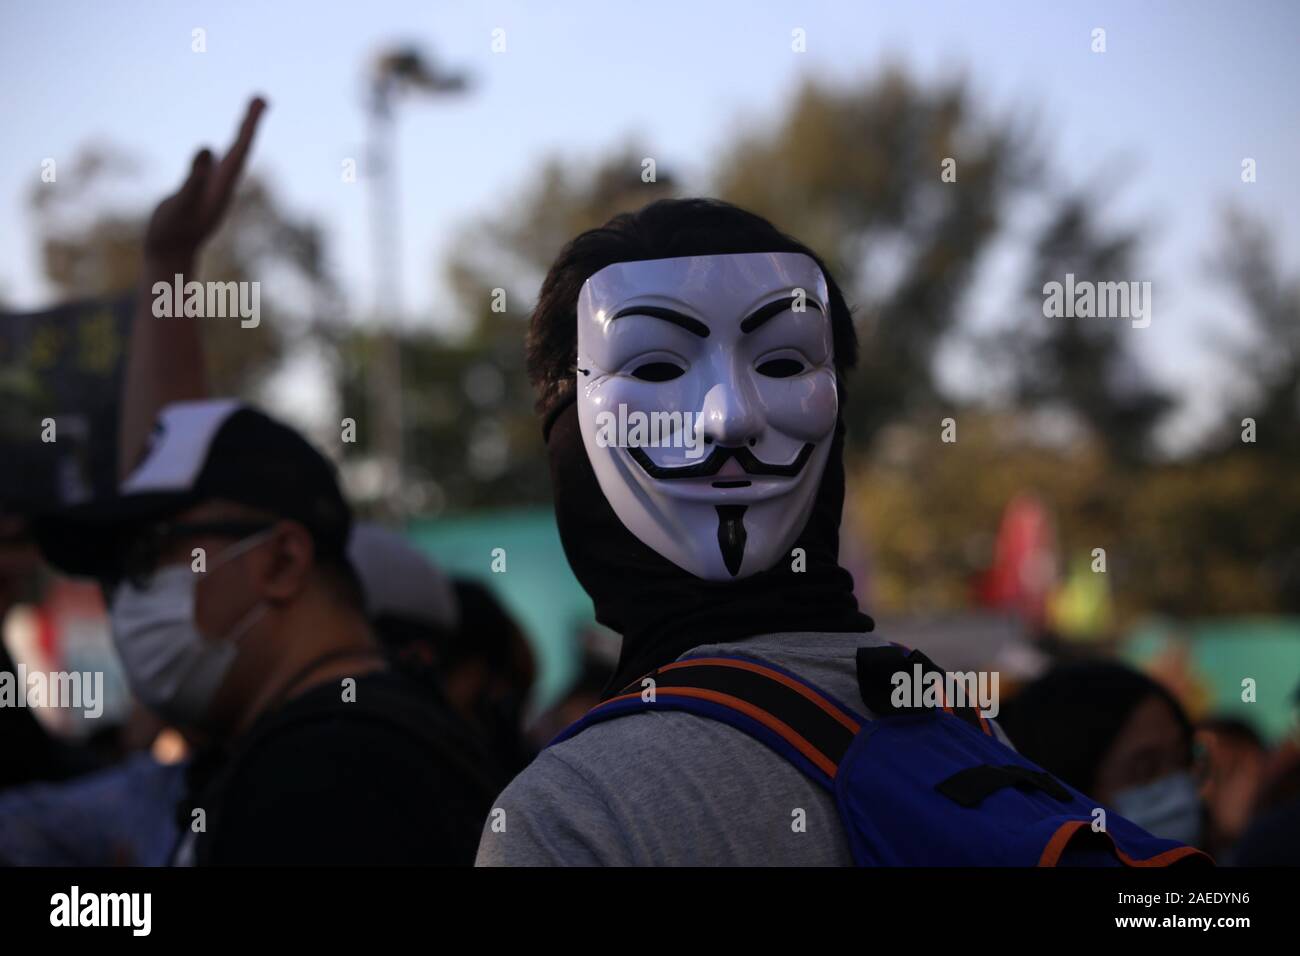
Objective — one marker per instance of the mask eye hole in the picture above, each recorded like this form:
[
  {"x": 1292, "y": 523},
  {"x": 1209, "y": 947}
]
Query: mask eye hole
[
  {"x": 658, "y": 372},
  {"x": 780, "y": 367}
]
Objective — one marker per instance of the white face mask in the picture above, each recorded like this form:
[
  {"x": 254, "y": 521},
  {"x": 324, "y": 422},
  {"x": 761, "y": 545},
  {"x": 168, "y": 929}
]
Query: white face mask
[
  {"x": 1169, "y": 808},
  {"x": 719, "y": 370},
  {"x": 171, "y": 667}
]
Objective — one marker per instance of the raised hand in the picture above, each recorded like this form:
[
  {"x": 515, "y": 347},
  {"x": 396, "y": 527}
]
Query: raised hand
[
  {"x": 185, "y": 220},
  {"x": 165, "y": 360}
]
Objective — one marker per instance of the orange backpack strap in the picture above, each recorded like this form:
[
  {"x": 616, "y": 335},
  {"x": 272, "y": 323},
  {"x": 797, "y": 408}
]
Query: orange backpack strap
[{"x": 794, "y": 718}]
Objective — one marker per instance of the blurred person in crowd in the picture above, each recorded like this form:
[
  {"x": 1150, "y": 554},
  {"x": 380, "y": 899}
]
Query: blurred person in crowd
[
  {"x": 453, "y": 633},
  {"x": 127, "y": 815},
  {"x": 124, "y": 815},
  {"x": 262, "y": 650},
  {"x": 712, "y": 550},
  {"x": 1281, "y": 783},
  {"x": 410, "y": 601},
  {"x": 594, "y": 674},
  {"x": 1117, "y": 735},
  {"x": 1234, "y": 760},
  {"x": 488, "y": 669},
  {"x": 61, "y": 806},
  {"x": 1272, "y": 837},
  {"x": 30, "y": 752},
  {"x": 238, "y": 617}
]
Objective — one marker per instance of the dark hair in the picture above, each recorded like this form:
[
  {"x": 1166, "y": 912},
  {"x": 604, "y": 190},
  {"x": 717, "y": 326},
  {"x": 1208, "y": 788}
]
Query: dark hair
[
  {"x": 1234, "y": 728},
  {"x": 487, "y": 631},
  {"x": 1067, "y": 720},
  {"x": 666, "y": 229}
]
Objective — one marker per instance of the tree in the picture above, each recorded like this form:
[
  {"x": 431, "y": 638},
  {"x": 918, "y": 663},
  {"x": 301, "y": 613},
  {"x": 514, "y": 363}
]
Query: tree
[
  {"x": 471, "y": 437},
  {"x": 1086, "y": 366},
  {"x": 89, "y": 250},
  {"x": 858, "y": 173},
  {"x": 1267, "y": 365}
]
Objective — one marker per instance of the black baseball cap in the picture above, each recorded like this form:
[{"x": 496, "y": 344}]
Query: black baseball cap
[{"x": 199, "y": 451}]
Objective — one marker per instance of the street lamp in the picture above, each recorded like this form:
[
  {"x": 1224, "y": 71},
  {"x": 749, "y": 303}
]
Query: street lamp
[{"x": 394, "y": 72}]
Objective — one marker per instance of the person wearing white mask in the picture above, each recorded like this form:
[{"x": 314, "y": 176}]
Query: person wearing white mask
[{"x": 690, "y": 363}]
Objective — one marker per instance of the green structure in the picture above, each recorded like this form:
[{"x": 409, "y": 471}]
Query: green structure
[
  {"x": 1230, "y": 660},
  {"x": 536, "y": 585}
]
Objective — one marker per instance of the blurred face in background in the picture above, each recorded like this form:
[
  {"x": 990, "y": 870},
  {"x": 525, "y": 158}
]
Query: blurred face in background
[
  {"x": 1146, "y": 774},
  {"x": 1230, "y": 784},
  {"x": 1150, "y": 746}
]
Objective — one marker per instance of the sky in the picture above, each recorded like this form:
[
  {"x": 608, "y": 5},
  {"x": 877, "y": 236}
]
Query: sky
[{"x": 1184, "y": 92}]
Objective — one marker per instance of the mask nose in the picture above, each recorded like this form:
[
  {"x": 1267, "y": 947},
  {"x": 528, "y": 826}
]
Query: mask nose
[{"x": 729, "y": 416}]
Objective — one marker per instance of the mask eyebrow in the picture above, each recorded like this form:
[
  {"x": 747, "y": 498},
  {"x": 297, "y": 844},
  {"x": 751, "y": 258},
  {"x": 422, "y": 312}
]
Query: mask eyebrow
[
  {"x": 694, "y": 326},
  {"x": 772, "y": 309}
]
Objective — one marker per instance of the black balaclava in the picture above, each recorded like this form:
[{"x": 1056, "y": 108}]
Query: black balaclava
[{"x": 663, "y": 611}]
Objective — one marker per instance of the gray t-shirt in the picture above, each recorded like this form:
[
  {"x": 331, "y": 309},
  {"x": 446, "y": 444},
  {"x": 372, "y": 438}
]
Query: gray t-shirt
[{"x": 667, "y": 788}]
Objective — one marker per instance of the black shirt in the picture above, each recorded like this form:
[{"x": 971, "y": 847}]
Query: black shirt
[{"x": 391, "y": 777}]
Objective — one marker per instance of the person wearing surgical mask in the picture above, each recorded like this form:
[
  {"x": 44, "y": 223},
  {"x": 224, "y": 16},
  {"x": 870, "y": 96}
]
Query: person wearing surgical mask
[
  {"x": 1118, "y": 736},
  {"x": 178, "y": 631},
  {"x": 239, "y": 619},
  {"x": 237, "y": 613}
]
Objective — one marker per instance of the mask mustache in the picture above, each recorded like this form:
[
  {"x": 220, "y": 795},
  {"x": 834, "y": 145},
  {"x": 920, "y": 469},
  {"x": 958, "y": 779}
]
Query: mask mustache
[{"x": 712, "y": 464}]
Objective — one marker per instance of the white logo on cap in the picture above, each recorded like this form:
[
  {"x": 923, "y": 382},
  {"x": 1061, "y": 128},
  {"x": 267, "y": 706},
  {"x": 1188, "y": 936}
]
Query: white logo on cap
[{"x": 178, "y": 445}]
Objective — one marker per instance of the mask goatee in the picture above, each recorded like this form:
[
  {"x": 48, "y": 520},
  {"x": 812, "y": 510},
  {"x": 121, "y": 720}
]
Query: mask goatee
[
  {"x": 731, "y": 536},
  {"x": 662, "y": 611}
]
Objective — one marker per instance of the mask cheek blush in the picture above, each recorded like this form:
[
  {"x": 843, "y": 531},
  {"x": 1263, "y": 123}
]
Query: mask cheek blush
[
  {"x": 660, "y": 408},
  {"x": 804, "y": 407}
]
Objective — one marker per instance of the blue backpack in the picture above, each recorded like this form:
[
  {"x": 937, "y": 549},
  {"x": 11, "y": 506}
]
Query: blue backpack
[{"x": 914, "y": 787}]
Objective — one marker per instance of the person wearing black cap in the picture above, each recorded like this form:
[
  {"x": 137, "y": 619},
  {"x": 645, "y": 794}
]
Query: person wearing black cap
[{"x": 239, "y": 619}]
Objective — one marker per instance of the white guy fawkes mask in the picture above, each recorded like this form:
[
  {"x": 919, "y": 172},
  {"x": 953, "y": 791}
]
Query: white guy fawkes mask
[{"x": 707, "y": 403}]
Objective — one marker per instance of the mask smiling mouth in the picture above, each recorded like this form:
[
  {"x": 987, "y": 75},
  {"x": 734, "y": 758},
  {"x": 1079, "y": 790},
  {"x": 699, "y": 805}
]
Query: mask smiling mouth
[{"x": 721, "y": 454}]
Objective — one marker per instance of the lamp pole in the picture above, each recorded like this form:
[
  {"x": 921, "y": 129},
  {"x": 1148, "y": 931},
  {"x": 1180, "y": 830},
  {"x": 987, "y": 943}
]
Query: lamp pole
[{"x": 394, "y": 72}]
